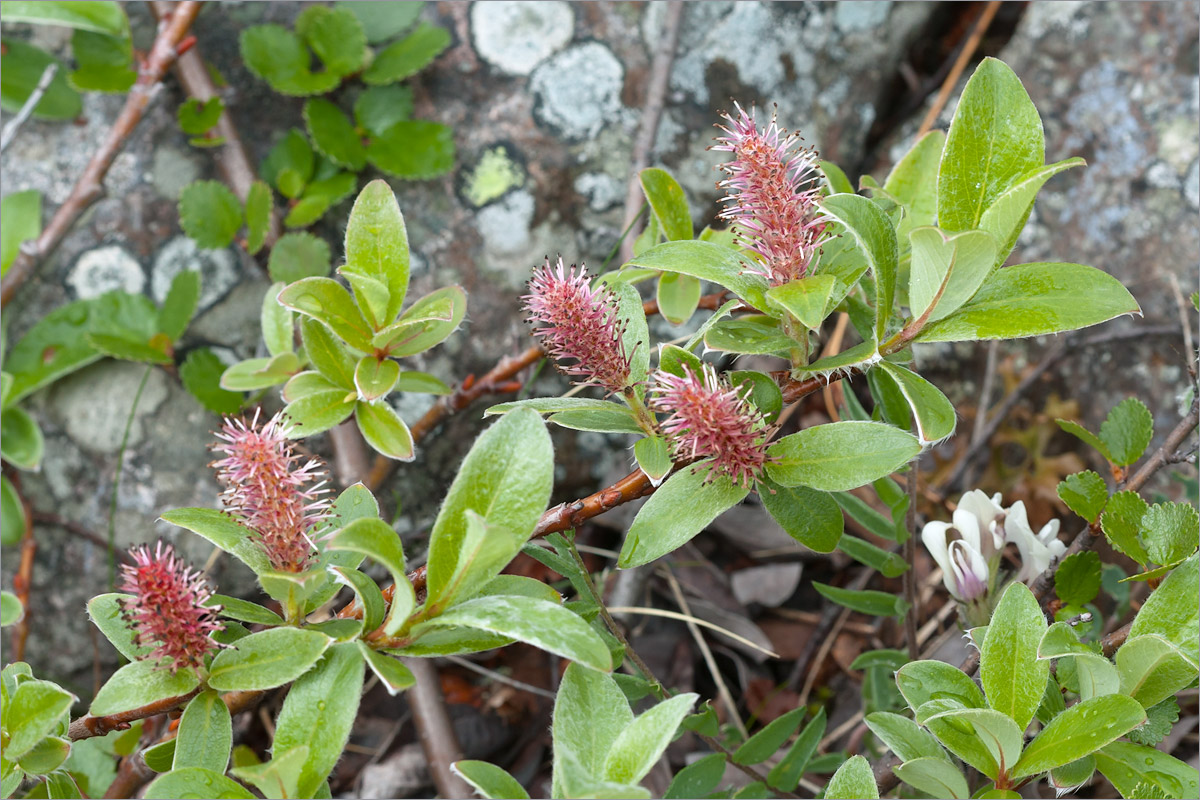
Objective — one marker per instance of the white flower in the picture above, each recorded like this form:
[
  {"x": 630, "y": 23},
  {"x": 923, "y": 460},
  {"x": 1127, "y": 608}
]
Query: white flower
[
  {"x": 1037, "y": 550},
  {"x": 986, "y": 512},
  {"x": 964, "y": 567}
]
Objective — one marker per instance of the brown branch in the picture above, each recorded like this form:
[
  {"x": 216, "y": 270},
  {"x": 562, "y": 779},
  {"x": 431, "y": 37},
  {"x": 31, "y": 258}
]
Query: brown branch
[
  {"x": 434, "y": 728},
  {"x": 231, "y": 157},
  {"x": 88, "y": 726},
  {"x": 90, "y": 186},
  {"x": 960, "y": 64},
  {"x": 656, "y": 93},
  {"x": 913, "y": 612}
]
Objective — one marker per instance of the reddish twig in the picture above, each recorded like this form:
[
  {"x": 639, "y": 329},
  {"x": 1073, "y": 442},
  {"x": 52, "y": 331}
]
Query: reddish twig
[
  {"x": 90, "y": 186},
  {"x": 23, "y": 579},
  {"x": 656, "y": 93},
  {"x": 88, "y": 726}
]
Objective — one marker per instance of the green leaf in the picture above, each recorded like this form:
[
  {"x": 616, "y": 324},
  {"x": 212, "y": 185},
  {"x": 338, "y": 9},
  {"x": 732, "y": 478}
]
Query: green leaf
[
  {"x": 763, "y": 391},
  {"x": 244, "y": 610},
  {"x": 127, "y": 348},
  {"x": 678, "y": 297},
  {"x": 756, "y": 334},
  {"x": 394, "y": 676},
  {"x": 293, "y": 157},
  {"x": 641, "y": 744},
  {"x": 1077, "y": 579},
  {"x": 506, "y": 481},
  {"x": 489, "y": 780},
  {"x": 319, "y": 411},
  {"x": 413, "y": 149},
  {"x": 603, "y": 420},
  {"x": 421, "y": 383},
  {"x": 260, "y": 373},
  {"x": 46, "y": 757},
  {"x": 107, "y": 615},
  {"x": 1160, "y": 719},
  {"x": 32, "y": 713},
  {"x": 1170, "y": 532},
  {"x": 426, "y": 323},
  {"x": 223, "y": 531},
  {"x": 708, "y": 262},
  {"x": 179, "y": 306},
  {"x": 806, "y": 299},
  {"x": 1127, "y": 431},
  {"x": 682, "y": 507},
  {"x": 140, "y": 683},
  {"x": 259, "y": 206},
  {"x": 267, "y": 659},
  {"x": 21, "y": 213},
  {"x": 1151, "y": 669},
  {"x": 994, "y": 139},
  {"x": 11, "y": 610},
  {"x": 210, "y": 213},
  {"x": 1006, "y": 216},
  {"x": 326, "y": 300},
  {"x": 947, "y": 270},
  {"x": 913, "y": 182},
  {"x": 932, "y": 410},
  {"x": 934, "y": 776},
  {"x": 905, "y": 738},
  {"x": 764, "y": 744},
  {"x": 541, "y": 623},
  {"x": 377, "y": 246},
  {"x": 104, "y": 62},
  {"x": 1079, "y": 731},
  {"x": 318, "y": 713},
  {"x": 1070, "y": 777},
  {"x": 1132, "y": 766},
  {"x": 384, "y": 430},
  {"x": 922, "y": 681},
  {"x": 873, "y": 521},
  {"x": 840, "y": 456},
  {"x": 890, "y": 565},
  {"x": 101, "y": 17},
  {"x": 328, "y": 354},
  {"x": 1173, "y": 609},
  {"x": 551, "y": 405},
  {"x": 408, "y": 56},
  {"x": 861, "y": 356},
  {"x": 382, "y": 22},
  {"x": 835, "y": 178},
  {"x": 306, "y": 211},
  {"x": 786, "y": 774},
  {"x": 277, "y": 55},
  {"x": 335, "y": 35},
  {"x": 205, "y": 734},
  {"x": 367, "y": 594},
  {"x": 375, "y": 378},
  {"x": 196, "y": 782},
  {"x": 21, "y": 68},
  {"x": 865, "y": 601},
  {"x": 668, "y": 202},
  {"x": 380, "y": 107},
  {"x": 1084, "y": 493},
  {"x": 986, "y": 739},
  {"x": 1013, "y": 678},
  {"x": 1122, "y": 522},
  {"x": 853, "y": 779},
  {"x": 589, "y": 714},
  {"x": 698, "y": 779},
  {"x": 333, "y": 134},
  {"x": 376, "y": 540},
  {"x": 14, "y": 519},
  {"x": 201, "y": 375},
  {"x": 1034, "y": 299},
  {"x": 196, "y": 117},
  {"x": 874, "y": 233},
  {"x": 22, "y": 443},
  {"x": 278, "y": 329},
  {"x": 653, "y": 456},
  {"x": 277, "y": 777}
]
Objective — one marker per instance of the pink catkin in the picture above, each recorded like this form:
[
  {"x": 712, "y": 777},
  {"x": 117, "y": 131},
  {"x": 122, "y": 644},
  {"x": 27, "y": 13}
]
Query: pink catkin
[
  {"x": 577, "y": 321},
  {"x": 709, "y": 419},
  {"x": 773, "y": 188},
  {"x": 167, "y": 609},
  {"x": 266, "y": 486}
]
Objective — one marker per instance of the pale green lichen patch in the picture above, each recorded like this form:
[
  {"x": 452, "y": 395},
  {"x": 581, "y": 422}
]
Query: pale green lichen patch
[{"x": 494, "y": 175}]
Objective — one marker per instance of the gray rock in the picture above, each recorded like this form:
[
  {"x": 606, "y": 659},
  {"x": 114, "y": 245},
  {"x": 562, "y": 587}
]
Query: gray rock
[
  {"x": 105, "y": 269},
  {"x": 218, "y": 270},
  {"x": 93, "y": 405},
  {"x": 578, "y": 91},
  {"x": 516, "y": 36}
]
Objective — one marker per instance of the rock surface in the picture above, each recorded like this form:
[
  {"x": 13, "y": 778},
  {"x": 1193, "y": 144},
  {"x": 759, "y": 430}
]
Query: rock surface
[{"x": 545, "y": 100}]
